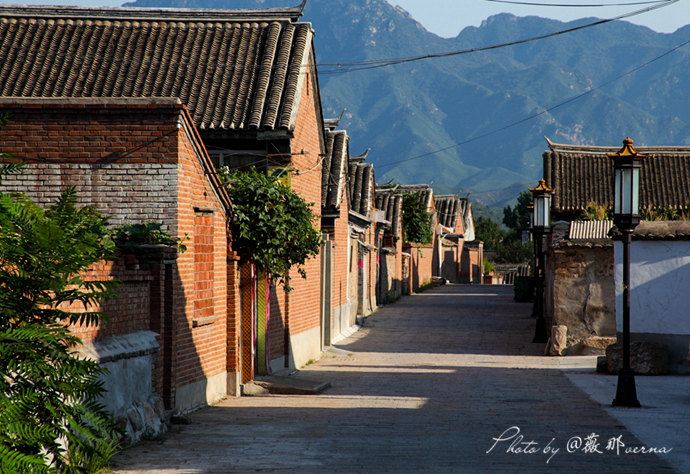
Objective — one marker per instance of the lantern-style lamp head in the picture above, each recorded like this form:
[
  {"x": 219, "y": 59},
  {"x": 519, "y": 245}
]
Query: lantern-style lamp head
[
  {"x": 627, "y": 163},
  {"x": 541, "y": 213}
]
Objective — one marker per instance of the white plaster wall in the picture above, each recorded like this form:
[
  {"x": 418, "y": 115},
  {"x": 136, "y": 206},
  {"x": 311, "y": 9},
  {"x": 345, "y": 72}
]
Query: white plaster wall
[{"x": 659, "y": 287}]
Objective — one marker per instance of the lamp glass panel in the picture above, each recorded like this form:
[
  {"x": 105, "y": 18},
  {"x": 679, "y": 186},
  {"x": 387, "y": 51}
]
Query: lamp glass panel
[
  {"x": 636, "y": 191},
  {"x": 626, "y": 187},
  {"x": 539, "y": 215},
  {"x": 617, "y": 191},
  {"x": 547, "y": 210}
]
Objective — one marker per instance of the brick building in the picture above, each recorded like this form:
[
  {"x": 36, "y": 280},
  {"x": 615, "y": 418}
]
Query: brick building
[
  {"x": 472, "y": 260},
  {"x": 335, "y": 197},
  {"x": 390, "y": 285},
  {"x": 424, "y": 258},
  {"x": 364, "y": 237},
  {"x": 451, "y": 236},
  {"x": 247, "y": 78},
  {"x": 171, "y": 332}
]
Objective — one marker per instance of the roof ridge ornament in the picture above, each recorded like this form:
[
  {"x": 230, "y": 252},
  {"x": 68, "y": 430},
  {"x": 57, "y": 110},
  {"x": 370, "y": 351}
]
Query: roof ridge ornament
[
  {"x": 542, "y": 187},
  {"x": 627, "y": 150}
]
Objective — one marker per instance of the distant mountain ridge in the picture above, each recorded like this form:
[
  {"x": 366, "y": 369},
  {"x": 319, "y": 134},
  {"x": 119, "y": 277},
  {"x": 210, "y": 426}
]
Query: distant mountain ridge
[{"x": 411, "y": 109}]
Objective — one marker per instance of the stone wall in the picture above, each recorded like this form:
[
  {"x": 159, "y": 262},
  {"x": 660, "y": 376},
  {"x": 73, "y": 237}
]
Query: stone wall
[{"x": 580, "y": 294}]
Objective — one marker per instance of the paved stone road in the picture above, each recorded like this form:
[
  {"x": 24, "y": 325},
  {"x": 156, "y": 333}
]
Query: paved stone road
[{"x": 424, "y": 387}]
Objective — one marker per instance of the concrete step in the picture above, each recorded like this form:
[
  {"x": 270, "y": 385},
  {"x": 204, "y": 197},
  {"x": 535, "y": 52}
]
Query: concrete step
[{"x": 291, "y": 385}]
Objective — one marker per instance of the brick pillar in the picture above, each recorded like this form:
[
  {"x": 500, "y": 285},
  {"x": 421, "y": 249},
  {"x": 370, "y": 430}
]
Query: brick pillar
[{"x": 233, "y": 325}]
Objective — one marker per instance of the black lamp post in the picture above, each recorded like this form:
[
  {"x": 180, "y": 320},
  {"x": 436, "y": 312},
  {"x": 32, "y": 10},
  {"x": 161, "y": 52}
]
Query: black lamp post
[
  {"x": 541, "y": 226},
  {"x": 626, "y": 216}
]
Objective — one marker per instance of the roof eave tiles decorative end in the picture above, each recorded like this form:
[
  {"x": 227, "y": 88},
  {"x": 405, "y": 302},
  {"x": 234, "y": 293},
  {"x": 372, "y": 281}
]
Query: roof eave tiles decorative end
[{"x": 164, "y": 14}]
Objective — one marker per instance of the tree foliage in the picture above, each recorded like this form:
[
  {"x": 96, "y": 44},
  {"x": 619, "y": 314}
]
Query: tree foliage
[
  {"x": 417, "y": 220},
  {"x": 516, "y": 218},
  {"x": 490, "y": 232},
  {"x": 273, "y": 226},
  {"x": 50, "y": 419},
  {"x": 507, "y": 246}
]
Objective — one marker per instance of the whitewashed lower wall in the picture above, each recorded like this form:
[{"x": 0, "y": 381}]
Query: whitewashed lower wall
[{"x": 660, "y": 287}]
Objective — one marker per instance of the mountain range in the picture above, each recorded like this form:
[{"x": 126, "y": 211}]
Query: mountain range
[{"x": 406, "y": 110}]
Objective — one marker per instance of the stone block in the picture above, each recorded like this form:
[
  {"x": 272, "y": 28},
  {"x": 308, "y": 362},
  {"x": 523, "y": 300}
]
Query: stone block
[
  {"x": 646, "y": 358},
  {"x": 594, "y": 345},
  {"x": 559, "y": 340}
]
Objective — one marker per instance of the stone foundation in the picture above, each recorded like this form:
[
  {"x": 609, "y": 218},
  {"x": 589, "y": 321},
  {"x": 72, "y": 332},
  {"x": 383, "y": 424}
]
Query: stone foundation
[{"x": 129, "y": 396}]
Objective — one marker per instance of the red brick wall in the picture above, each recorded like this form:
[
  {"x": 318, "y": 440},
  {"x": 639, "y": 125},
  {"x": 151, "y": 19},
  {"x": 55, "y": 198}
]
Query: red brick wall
[
  {"x": 372, "y": 268},
  {"x": 422, "y": 264},
  {"x": 305, "y": 299},
  {"x": 201, "y": 333},
  {"x": 129, "y": 309},
  {"x": 136, "y": 164},
  {"x": 471, "y": 264},
  {"x": 120, "y": 161},
  {"x": 338, "y": 235}
]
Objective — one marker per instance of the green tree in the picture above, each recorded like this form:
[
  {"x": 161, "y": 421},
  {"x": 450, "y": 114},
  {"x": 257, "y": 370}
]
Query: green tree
[
  {"x": 514, "y": 251},
  {"x": 416, "y": 219},
  {"x": 507, "y": 246},
  {"x": 516, "y": 218},
  {"x": 50, "y": 418},
  {"x": 489, "y": 232},
  {"x": 273, "y": 226}
]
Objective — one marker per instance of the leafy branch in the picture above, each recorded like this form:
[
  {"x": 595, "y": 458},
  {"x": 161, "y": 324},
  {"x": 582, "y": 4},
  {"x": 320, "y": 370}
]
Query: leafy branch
[{"x": 272, "y": 226}]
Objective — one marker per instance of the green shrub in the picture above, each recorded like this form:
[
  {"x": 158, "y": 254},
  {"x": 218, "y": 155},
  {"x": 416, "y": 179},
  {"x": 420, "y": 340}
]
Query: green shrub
[
  {"x": 272, "y": 226},
  {"x": 416, "y": 219},
  {"x": 50, "y": 419},
  {"x": 147, "y": 233}
]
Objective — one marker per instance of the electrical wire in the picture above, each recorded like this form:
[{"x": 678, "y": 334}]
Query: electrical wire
[
  {"x": 545, "y": 111},
  {"x": 353, "y": 66}
]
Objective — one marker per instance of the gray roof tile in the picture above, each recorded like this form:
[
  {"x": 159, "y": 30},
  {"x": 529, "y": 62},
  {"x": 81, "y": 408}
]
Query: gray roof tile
[{"x": 236, "y": 70}]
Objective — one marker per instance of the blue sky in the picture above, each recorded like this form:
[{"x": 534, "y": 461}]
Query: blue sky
[{"x": 448, "y": 17}]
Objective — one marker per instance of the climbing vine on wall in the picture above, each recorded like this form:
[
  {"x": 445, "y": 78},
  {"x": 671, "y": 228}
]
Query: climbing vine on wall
[
  {"x": 416, "y": 219},
  {"x": 272, "y": 225}
]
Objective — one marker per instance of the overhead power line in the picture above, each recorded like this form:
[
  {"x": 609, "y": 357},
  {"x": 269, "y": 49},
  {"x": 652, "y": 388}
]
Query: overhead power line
[
  {"x": 346, "y": 67},
  {"x": 539, "y": 114},
  {"x": 577, "y": 5}
]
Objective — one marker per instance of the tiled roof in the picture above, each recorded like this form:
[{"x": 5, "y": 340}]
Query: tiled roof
[
  {"x": 468, "y": 219},
  {"x": 448, "y": 208},
  {"x": 390, "y": 202},
  {"x": 335, "y": 170},
  {"x": 425, "y": 190},
  {"x": 586, "y": 230},
  {"x": 236, "y": 70},
  {"x": 583, "y": 174},
  {"x": 361, "y": 186},
  {"x": 662, "y": 230}
]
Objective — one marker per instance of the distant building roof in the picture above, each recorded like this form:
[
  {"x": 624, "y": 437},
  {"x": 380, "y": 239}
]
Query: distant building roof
[
  {"x": 424, "y": 190},
  {"x": 448, "y": 209},
  {"x": 235, "y": 70},
  {"x": 468, "y": 219},
  {"x": 361, "y": 186},
  {"x": 390, "y": 202},
  {"x": 335, "y": 170},
  {"x": 583, "y": 174}
]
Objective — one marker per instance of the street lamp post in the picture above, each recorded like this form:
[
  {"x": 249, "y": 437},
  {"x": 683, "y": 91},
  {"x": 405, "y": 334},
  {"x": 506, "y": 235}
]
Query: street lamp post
[
  {"x": 626, "y": 216},
  {"x": 541, "y": 226}
]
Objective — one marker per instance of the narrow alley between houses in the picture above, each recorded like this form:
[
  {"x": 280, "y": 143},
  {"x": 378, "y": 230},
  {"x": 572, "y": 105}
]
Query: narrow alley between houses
[{"x": 426, "y": 385}]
